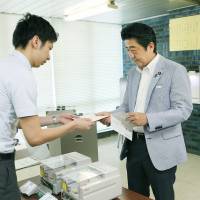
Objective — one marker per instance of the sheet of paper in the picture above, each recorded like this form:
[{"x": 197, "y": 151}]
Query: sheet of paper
[
  {"x": 28, "y": 188},
  {"x": 25, "y": 162},
  {"x": 94, "y": 118},
  {"x": 121, "y": 125}
]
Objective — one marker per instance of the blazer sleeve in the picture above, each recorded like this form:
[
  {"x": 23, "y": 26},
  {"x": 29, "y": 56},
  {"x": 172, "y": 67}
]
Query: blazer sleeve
[{"x": 180, "y": 103}]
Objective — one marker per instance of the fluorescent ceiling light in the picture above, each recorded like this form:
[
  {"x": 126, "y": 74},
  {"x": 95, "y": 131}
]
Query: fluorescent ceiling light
[{"x": 88, "y": 8}]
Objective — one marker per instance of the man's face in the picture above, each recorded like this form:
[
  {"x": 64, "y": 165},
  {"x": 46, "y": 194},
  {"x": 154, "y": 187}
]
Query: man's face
[
  {"x": 42, "y": 53},
  {"x": 138, "y": 53}
]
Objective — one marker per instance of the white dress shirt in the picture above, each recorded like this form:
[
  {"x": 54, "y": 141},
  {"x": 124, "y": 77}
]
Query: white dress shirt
[
  {"x": 146, "y": 77},
  {"x": 18, "y": 97}
]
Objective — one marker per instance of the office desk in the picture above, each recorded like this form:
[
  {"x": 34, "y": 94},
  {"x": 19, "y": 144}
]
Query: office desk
[{"x": 126, "y": 194}]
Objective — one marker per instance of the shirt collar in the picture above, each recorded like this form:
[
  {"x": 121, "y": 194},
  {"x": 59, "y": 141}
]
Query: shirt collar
[
  {"x": 151, "y": 66},
  {"x": 23, "y": 59}
]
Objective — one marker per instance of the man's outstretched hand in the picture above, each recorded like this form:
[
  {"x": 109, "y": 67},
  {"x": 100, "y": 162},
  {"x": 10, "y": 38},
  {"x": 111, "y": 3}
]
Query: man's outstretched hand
[{"x": 106, "y": 121}]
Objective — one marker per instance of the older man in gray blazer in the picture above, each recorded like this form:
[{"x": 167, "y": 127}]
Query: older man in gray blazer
[{"x": 157, "y": 100}]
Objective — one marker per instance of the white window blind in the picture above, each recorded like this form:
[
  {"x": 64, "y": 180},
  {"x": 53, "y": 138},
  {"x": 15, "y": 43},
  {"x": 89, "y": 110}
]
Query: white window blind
[
  {"x": 88, "y": 65},
  {"x": 45, "y": 85},
  {"x": 7, "y": 24}
]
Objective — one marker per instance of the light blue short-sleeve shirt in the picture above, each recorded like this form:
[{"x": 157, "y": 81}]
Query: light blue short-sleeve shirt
[{"x": 18, "y": 97}]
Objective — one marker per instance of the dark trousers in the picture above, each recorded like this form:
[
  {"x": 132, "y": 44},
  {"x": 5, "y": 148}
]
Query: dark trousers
[
  {"x": 142, "y": 174},
  {"x": 8, "y": 181}
]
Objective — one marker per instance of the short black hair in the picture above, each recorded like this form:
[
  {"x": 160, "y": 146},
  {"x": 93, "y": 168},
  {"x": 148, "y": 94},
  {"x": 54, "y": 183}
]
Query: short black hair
[
  {"x": 143, "y": 34},
  {"x": 32, "y": 25}
]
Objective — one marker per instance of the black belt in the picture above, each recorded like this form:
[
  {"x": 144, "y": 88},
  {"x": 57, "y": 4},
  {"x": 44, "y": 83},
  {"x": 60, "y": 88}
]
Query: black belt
[
  {"x": 138, "y": 136},
  {"x": 7, "y": 156}
]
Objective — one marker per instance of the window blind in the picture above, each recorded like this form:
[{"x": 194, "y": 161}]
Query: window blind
[{"x": 87, "y": 65}]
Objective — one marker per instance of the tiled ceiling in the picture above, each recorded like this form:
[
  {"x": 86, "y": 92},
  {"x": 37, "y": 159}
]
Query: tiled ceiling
[{"x": 129, "y": 10}]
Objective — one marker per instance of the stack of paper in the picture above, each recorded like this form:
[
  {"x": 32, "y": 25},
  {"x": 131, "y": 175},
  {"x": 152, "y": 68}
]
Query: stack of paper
[{"x": 25, "y": 162}]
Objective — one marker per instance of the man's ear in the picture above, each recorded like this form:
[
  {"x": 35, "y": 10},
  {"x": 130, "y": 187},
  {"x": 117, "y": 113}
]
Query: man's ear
[
  {"x": 35, "y": 42},
  {"x": 151, "y": 46}
]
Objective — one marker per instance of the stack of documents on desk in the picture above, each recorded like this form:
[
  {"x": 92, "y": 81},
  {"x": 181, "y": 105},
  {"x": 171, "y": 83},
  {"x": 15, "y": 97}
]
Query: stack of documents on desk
[
  {"x": 96, "y": 181},
  {"x": 25, "y": 162},
  {"x": 121, "y": 125},
  {"x": 52, "y": 169}
]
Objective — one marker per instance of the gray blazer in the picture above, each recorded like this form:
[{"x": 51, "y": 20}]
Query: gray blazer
[{"x": 168, "y": 103}]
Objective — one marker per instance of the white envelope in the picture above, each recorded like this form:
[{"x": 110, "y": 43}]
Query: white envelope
[
  {"x": 121, "y": 125},
  {"x": 94, "y": 118}
]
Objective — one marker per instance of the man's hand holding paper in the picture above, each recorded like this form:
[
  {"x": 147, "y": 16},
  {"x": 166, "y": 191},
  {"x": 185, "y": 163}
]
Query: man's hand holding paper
[
  {"x": 136, "y": 118},
  {"x": 107, "y": 118},
  {"x": 122, "y": 122}
]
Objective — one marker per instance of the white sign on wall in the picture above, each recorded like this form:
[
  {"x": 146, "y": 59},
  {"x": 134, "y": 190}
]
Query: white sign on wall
[{"x": 184, "y": 33}]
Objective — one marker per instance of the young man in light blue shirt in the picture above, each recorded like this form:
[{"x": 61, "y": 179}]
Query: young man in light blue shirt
[{"x": 33, "y": 39}]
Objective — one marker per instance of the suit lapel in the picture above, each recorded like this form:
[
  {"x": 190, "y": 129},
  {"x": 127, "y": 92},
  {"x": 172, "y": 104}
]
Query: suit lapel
[{"x": 159, "y": 70}]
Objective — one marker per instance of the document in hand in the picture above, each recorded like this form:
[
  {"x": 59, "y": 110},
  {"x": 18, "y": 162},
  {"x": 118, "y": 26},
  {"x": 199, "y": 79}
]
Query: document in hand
[
  {"x": 121, "y": 125},
  {"x": 94, "y": 118}
]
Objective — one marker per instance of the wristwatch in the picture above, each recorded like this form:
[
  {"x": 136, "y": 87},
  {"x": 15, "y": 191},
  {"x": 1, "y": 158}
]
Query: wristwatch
[{"x": 54, "y": 118}]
